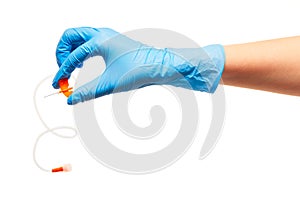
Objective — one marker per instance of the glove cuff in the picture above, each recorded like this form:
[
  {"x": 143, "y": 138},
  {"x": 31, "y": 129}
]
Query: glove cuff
[
  {"x": 216, "y": 53},
  {"x": 201, "y": 67}
]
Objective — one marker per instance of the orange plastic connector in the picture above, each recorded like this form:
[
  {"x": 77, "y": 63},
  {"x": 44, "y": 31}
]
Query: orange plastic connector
[
  {"x": 65, "y": 168},
  {"x": 64, "y": 87}
]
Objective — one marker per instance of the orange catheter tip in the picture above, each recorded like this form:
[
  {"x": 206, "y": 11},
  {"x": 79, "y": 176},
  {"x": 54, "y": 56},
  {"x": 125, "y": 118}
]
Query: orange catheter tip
[{"x": 64, "y": 87}]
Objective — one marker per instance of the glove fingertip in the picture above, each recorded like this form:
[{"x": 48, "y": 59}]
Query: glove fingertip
[
  {"x": 70, "y": 100},
  {"x": 73, "y": 99},
  {"x": 55, "y": 85}
]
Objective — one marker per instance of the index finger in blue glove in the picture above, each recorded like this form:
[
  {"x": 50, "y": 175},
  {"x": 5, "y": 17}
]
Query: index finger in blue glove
[
  {"x": 74, "y": 60},
  {"x": 71, "y": 39}
]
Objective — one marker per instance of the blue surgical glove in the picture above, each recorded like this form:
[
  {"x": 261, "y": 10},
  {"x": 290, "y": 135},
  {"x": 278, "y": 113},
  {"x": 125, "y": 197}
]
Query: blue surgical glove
[{"x": 131, "y": 64}]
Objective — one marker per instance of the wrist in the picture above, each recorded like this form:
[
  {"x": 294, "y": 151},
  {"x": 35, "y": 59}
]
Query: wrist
[{"x": 201, "y": 67}]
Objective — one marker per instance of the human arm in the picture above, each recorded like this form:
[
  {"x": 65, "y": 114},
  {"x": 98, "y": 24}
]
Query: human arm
[
  {"x": 268, "y": 65},
  {"x": 272, "y": 65}
]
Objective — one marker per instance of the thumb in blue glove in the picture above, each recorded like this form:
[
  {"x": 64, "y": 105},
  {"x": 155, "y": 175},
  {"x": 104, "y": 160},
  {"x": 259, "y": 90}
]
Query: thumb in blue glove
[{"x": 131, "y": 64}]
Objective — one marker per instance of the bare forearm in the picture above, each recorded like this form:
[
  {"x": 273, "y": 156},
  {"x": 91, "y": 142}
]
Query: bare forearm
[{"x": 272, "y": 65}]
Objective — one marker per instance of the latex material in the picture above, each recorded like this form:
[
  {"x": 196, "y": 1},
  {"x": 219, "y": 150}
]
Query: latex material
[{"x": 131, "y": 64}]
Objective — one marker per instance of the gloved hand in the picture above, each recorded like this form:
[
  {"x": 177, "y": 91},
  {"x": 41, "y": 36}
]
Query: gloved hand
[{"x": 131, "y": 64}]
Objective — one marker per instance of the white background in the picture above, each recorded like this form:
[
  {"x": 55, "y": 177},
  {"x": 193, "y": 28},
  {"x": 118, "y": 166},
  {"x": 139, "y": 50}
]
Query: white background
[{"x": 257, "y": 156}]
